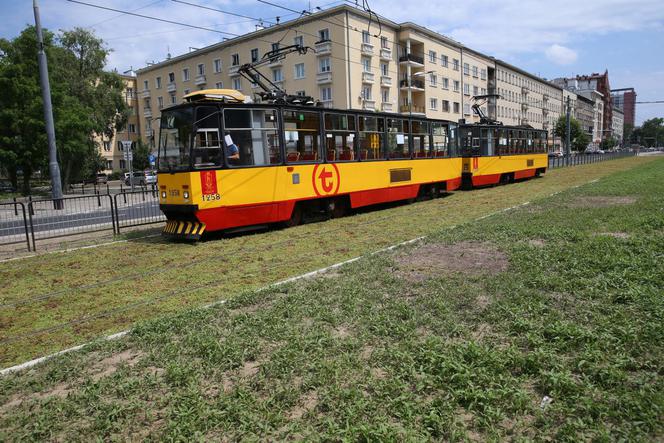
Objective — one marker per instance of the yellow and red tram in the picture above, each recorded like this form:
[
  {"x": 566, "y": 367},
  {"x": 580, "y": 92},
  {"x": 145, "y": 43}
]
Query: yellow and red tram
[
  {"x": 227, "y": 164},
  {"x": 495, "y": 154}
]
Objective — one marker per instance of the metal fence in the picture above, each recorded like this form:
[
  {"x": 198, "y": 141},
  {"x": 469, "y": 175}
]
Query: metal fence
[
  {"x": 582, "y": 159},
  {"x": 31, "y": 220}
]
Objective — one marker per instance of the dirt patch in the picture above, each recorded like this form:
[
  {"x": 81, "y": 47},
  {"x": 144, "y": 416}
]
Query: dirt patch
[
  {"x": 109, "y": 365},
  {"x": 622, "y": 235},
  {"x": 60, "y": 391},
  {"x": 306, "y": 403},
  {"x": 249, "y": 369},
  {"x": 537, "y": 242},
  {"x": 340, "y": 332},
  {"x": 366, "y": 352},
  {"x": 378, "y": 373},
  {"x": 598, "y": 201},
  {"x": 465, "y": 257}
]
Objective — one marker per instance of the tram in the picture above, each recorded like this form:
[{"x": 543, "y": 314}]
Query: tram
[{"x": 225, "y": 164}]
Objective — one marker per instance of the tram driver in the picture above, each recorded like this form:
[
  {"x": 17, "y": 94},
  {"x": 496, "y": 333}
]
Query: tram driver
[{"x": 232, "y": 151}]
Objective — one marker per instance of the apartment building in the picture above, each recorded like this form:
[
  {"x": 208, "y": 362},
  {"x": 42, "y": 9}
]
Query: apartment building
[
  {"x": 584, "y": 112},
  {"x": 624, "y": 100},
  {"x": 355, "y": 63},
  {"x": 617, "y": 124},
  {"x": 111, "y": 149}
]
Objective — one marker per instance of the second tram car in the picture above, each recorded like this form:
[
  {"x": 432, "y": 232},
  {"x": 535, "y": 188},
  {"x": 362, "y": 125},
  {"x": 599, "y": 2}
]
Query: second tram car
[
  {"x": 226, "y": 164},
  {"x": 495, "y": 154}
]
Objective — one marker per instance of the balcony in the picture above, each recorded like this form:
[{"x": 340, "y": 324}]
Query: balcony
[
  {"x": 324, "y": 48},
  {"x": 200, "y": 80},
  {"x": 524, "y": 106},
  {"x": 368, "y": 77},
  {"x": 385, "y": 80},
  {"x": 369, "y": 105},
  {"x": 525, "y": 90},
  {"x": 323, "y": 77},
  {"x": 234, "y": 70},
  {"x": 171, "y": 87},
  {"x": 386, "y": 107},
  {"x": 367, "y": 49},
  {"x": 412, "y": 59},
  {"x": 412, "y": 84},
  {"x": 385, "y": 54},
  {"x": 545, "y": 97},
  {"x": 327, "y": 103},
  {"x": 149, "y": 133},
  {"x": 147, "y": 112},
  {"x": 524, "y": 121},
  {"x": 412, "y": 109},
  {"x": 145, "y": 93}
]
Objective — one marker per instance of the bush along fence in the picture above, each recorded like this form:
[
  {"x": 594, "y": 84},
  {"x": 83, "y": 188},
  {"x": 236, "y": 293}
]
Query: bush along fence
[{"x": 28, "y": 222}]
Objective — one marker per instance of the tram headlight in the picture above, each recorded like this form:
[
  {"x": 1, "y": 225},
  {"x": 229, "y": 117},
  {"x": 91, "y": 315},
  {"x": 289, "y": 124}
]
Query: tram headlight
[
  {"x": 185, "y": 194},
  {"x": 163, "y": 194}
]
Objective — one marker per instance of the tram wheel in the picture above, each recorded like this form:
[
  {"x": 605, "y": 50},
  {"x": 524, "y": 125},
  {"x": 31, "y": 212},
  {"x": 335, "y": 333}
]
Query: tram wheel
[{"x": 295, "y": 218}]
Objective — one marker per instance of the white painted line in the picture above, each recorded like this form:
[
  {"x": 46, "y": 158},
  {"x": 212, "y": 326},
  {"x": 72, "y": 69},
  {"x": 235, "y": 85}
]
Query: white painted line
[{"x": 118, "y": 335}]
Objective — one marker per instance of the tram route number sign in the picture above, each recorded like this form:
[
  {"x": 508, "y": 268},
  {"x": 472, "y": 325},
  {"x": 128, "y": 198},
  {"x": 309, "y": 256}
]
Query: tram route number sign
[{"x": 326, "y": 179}]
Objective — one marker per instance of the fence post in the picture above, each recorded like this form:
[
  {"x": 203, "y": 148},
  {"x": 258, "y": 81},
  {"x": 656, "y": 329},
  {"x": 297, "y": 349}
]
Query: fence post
[
  {"x": 31, "y": 211},
  {"x": 113, "y": 213},
  {"x": 16, "y": 208},
  {"x": 25, "y": 225}
]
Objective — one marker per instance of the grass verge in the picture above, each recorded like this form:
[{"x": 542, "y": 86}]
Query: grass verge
[
  {"x": 54, "y": 301},
  {"x": 541, "y": 323}
]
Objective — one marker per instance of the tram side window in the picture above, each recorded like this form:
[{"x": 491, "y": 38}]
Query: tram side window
[
  {"x": 251, "y": 137},
  {"x": 398, "y": 132},
  {"x": 502, "y": 147},
  {"x": 302, "y": 134},
  {"x": 207, "y": 147},
  {"x": 421, "y": 142},
  {"x": 372, "y": 137},
  {"x": 487, "y": 142},
  {"x": 530, "y": 142},
  {"x": 440, "y": 147},
  {"x": 470, "y": 138},
  {"x": 339, "y": 137}
]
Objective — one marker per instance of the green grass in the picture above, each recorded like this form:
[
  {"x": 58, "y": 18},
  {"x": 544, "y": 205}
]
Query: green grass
[
  {"x": 390, "y": 349},
  {"x": 155, "y": 277}
]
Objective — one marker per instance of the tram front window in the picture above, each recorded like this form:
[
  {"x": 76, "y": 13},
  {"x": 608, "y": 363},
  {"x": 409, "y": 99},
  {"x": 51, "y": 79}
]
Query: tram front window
[
  {"x": 175, "y": 139},
  {"x": 207, "y": 146}
]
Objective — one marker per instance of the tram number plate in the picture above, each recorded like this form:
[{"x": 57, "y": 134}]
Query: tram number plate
[{"x": 211, "y": 197}]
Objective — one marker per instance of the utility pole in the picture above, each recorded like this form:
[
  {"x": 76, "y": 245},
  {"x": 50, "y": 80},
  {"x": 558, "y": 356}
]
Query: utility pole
[
  {"x": 567, "y": 132},
  {"x": 53, "y": 166}
]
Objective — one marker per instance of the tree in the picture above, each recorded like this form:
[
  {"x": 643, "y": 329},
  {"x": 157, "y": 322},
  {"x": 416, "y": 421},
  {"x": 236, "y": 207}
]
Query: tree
[
  {"x": 579, "y": 139},
  {"x": 628, "y": 130},
  {"x": 140, "y": 157},
  {"x": 652, "y": 132},
  {"x": 86, "y": 101}
]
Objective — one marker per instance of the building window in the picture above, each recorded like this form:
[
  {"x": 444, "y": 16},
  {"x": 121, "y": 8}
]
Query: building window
[
  {"x": 433, "y": 104},
  {"x": 433, "y": 79},
  {"x": 443, "y": 61},
  {"x": 466, "y": 109},
  {"x": 366, "y": 92},
  {"x": 298, "y": 41},
  {"x": 122, "y": 164},
  {"x": 158, "y": 82},
  {"x": 131, "y": 127},
  {"x": 326, "y": 94},
  {"x": 219, "y": 85},
  {"x": 301, "y": 93},
  {"x": 171, "y": 77},
  {"x": 446, "y": 83},
  {"x": 483, "y": 74},
  {"x": 383, "y": 43},
  {"x": 455, "y": 64},
  {"x": 185, "y": 74},
  {"x": 160, "y": 102},
  {"x": 384, "y": 71},
  {"x": 446, "y": 106},
  {"x": 324, "y": 65},
  {"x": 324, "y": 35},
  {"x": 432, "y": 56},
  {"x": 366, "y": 37},
  {"x": 366, "y": 64},
  {"x": 483, "y": 91},
  {"x": 275, "y": 46},
  {"x": 456, "y": 107},
  {"x": 237, "y": 83},
  {"x": 201, "y": 69},
  {"x": 186, "y": 91},
  {"x": 107, "y": 146},
  {"x": 109, "y": 164},
  {"x": 299, "y": 70},
  {"x": 466, "y": 69},
  {"x": 475, "y": 71},
  {"x": 385, "y": 95},
  {"x": 466, "y": 89},
  {"x": 456, "y": 85},
  {"x": 235, "y": 60},
  {"x": 217, "y": 65},
  {"x": 277, "y": 75},
  {"x": 173, "y": 99},
  {"x": 476, "y": 90}
]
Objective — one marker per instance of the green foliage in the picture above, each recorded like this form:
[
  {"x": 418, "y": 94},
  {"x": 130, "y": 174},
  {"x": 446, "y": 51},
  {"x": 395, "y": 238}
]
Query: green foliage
[
  {"x": 578, "y": 137},
  {"x": 651, "y": 132},
  {"x": 608, "y": 143},
  {"x": 141, "y": 153},
  {"x": 86, "y": 101}
]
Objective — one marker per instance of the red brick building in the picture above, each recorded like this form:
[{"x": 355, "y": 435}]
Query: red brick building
[{"x": 625, "y": 100}]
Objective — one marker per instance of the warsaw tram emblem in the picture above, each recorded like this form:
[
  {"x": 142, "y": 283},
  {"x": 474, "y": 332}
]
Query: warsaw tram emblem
[{"x": 326, "y": 179}]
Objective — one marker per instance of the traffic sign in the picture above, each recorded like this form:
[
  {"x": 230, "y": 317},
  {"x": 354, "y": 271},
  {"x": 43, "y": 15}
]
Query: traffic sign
[
  {"x": 128, "y": 155},
  {"x": 151, "y": 159},
  {"x": 126, "y": 145}
]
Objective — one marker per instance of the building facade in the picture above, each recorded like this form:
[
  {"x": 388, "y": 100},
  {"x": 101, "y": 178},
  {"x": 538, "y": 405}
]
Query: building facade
[
  {"x": 625, "y": 101},
  {"x": 584, "y": 112},
  {"x": 617, "y": 125},
  {"x": 357, "y": 64},
  {"x": 111, "y": 149}
]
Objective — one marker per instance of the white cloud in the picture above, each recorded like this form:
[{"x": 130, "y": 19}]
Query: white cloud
[{"x": 561, "y": 55}]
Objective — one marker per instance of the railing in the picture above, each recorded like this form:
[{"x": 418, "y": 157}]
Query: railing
[
  {"x": 137, "y": 208},
  {"x": 583, "y": 158},
  {"x": 14, "y": 224},
  {"x": 411, "y": 58},
  {"x": 411, "y": 84},
  {"x": 414, "y": 108}
]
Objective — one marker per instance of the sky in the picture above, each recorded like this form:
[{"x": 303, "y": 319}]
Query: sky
[{"x": 551, "y": 39}]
